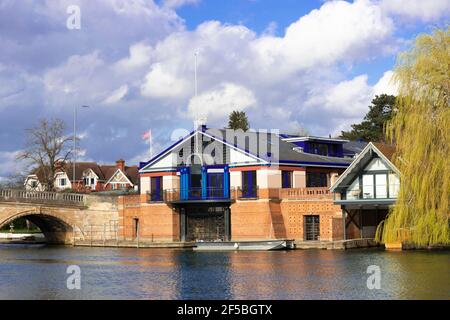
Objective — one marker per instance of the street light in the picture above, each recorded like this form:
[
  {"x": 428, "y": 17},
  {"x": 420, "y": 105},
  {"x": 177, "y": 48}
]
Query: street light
[{"x": 75, "y": 140}]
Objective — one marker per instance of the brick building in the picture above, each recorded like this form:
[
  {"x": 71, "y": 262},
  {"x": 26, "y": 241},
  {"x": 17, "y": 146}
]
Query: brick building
[
  {"x": 89, "y": 177},
  {"x": 219, "y": 185}
]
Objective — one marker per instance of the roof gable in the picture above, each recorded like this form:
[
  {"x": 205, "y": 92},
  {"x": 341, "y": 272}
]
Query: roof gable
[
  {"x": 362, "y": 161},
  {"x": 119, "y": 177},
  {"x": 168, "y": 158}
]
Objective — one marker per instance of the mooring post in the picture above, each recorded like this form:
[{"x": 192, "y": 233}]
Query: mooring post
[{"x": 104, "y": 234}]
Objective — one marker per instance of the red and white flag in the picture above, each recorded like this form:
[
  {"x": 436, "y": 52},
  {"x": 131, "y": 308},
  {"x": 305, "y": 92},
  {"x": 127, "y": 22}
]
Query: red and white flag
[{"x": 147, "y": 135}]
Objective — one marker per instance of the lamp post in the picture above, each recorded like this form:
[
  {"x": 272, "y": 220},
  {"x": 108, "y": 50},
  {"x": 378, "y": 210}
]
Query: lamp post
[{"x": 75, "y": 141}]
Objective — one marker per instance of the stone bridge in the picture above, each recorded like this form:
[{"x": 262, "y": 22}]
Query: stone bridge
[{"x": 63, "y": 217}]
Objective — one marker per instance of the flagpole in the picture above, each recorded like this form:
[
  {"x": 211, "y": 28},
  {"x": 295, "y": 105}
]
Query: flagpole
[{"x": 150, "y": 143}]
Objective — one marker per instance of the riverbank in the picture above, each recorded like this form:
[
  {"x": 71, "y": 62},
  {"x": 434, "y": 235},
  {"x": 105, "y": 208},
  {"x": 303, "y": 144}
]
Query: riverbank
[{"x": 299, "y": 245}]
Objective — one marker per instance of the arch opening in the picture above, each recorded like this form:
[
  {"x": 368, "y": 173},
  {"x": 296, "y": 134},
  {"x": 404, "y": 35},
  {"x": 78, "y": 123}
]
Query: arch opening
[{"x": 55, "y": 230}]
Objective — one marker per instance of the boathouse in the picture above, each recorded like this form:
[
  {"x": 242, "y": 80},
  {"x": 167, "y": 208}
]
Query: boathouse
[
  {"x": 219, "y": 185},
  {"x": 366, "y": 190}
]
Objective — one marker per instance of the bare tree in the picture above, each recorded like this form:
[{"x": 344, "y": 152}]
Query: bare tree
[
  {"x": 46, "y": 149},
  {"x": 13, "y": 181}
]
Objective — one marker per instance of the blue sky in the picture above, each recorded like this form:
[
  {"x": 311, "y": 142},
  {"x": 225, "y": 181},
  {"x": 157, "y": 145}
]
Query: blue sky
[{"x": 289, "y": 64}]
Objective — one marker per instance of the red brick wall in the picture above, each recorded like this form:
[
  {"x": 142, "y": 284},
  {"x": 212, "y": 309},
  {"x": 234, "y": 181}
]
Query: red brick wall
[
  {"x": 266, "y": 219},
  {"x": 157, "y": 222}
]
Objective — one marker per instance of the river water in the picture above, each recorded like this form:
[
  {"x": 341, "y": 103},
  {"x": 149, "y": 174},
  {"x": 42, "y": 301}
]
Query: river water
[{"x": 40, "y": 272}]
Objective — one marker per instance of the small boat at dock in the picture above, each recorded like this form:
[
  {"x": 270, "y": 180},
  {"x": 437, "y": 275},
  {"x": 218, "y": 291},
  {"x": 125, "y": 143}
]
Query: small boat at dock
[{"x": 262, "y": 245}]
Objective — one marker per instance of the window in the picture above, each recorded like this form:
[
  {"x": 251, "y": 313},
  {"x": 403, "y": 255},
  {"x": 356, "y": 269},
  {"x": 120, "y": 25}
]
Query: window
[
  {"x": 62, "y": 182},
  {"x": 249, "y": 184},
  {"x": 286, "y": 179},
  {"x": 353, "y": 191},
  {"x": 156, "y": 189},
  {"x": 381, "y": 186},
  {"x": 316, "y": 179},
  {"x": 368, "y": 186},
  {"x": 34, "y": 184},
  {"x": 92, "y": 181},
  {"x": 318, "y": 148}
]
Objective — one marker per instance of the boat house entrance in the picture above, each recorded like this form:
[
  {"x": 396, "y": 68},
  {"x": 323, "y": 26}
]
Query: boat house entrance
[{"x": 203, "y": 222}]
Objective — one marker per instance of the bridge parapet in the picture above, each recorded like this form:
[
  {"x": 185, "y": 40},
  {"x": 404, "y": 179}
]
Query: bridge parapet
[{"x": 42, "y": 197}]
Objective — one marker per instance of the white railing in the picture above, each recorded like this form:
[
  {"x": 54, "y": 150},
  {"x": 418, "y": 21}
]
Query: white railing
[{"x": 42, "y": 197}]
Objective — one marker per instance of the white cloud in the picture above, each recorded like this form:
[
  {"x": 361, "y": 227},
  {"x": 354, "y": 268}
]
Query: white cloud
[
  {"x": 279, "y": 71},
  {"x": 386, "y": 84},
  {"x": 218, "y": 103},
  {"x": 425, "y": 10},
  {"x": 346, "y": 99},
  {"x": 140, "y": 54},
  {"x": 117, "y": 95},
  {"x": 337, "y": 31},
  {"x": 162, "y": 82}
]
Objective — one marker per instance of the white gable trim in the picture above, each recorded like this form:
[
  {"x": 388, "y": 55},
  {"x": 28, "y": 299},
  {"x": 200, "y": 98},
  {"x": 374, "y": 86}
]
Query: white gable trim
[
  {"x": 258, "y": 159},
  {"x": 370, "y": 146},
  {"x": 148, "y": 167},
  {"x": 91, "y": 172},
  {"x": 168, "y": 151},
  {"x": 115, "y": 173}
]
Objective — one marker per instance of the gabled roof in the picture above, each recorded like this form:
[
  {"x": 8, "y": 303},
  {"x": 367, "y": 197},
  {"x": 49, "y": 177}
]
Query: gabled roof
[
  {"x": 287, "y": 151},
  {"x": 354, "y": 147},
  {"x": 103, "y": 172},
  {"x": 119, "y": 171},
  {"x": 384, "y": 151}
]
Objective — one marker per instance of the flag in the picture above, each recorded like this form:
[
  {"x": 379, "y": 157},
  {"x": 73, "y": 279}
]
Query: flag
[{"x": 147, "y": 135}]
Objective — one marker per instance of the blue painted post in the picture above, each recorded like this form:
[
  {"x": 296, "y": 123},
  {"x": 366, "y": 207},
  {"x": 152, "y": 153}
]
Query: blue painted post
[
  {"x": 226, "y": 183},
  {"x": 184, "y": 192},
  {"x": 204, "y": 183}
]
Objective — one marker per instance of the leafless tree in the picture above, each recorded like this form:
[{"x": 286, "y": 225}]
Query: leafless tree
[
  {"x": 13, "y": 181},
  {"x": 46, "y": 148}
]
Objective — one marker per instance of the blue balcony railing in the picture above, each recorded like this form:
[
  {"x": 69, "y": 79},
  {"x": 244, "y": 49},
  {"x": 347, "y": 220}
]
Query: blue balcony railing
[{"x": 191, "y": 194}]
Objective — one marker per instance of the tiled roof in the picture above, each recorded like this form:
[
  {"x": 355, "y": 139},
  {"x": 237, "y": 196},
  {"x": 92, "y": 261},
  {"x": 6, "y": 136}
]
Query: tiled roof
[
  {"x": 104, "y": 172},
  {"x": 388, "y": 150}
]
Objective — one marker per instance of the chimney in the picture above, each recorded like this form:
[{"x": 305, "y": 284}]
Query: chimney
[
  {"x": 120, "y": 164},
  {"x": 59, "y": 165}
]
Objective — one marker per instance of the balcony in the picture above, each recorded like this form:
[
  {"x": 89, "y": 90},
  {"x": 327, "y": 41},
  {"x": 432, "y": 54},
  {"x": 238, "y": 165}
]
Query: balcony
[
  {"x": 305, "y": 193},
  {"x": 192, "y": 194},
  {"x": 218, "y": 194}
]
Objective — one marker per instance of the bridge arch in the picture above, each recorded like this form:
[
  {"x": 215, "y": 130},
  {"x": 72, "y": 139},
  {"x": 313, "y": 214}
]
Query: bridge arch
[{"x": 56, "y": 229}]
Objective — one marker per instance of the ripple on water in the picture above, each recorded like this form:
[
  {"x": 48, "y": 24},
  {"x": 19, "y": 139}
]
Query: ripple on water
[{"x": 40, "y": 273}]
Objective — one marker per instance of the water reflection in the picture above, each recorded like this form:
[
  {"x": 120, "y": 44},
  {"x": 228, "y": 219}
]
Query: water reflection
[{"x": 40, "y": 273}]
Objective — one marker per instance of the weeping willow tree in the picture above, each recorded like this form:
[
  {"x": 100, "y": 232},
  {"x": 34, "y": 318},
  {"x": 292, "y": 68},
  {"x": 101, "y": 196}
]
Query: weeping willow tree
[{"x": 420, "y": 129}]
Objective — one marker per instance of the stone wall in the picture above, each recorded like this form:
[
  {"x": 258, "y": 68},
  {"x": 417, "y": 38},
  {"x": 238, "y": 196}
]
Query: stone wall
[{"x": 97, "y": 220}]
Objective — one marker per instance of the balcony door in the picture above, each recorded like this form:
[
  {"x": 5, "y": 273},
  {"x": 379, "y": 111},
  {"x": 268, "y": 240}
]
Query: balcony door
[
  {"x": 156, "y": 189},
  {"x": 249, "y": 185},
  {"x": 215, "y": 185},
  {"x": 195, "y": 188}
]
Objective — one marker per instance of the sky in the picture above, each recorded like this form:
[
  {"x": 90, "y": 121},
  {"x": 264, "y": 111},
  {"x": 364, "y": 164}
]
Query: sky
[{"x": 288, "y": 64}]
